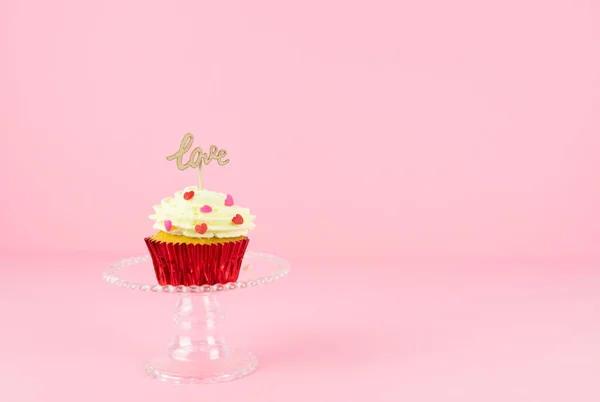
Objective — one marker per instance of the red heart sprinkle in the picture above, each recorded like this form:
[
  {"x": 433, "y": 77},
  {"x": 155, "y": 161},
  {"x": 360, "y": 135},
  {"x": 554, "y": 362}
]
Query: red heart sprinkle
[
  {"x": 201, "y": 228},
  {"x": 237, "y": 219},
  {"x": 188, "y": 196}
]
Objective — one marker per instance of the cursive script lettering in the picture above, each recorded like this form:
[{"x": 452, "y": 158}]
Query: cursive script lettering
[{"x": 197, "y": 157}]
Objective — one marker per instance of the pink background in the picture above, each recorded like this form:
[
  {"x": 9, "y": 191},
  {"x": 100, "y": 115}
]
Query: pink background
[{"x": 386, "y": 141}]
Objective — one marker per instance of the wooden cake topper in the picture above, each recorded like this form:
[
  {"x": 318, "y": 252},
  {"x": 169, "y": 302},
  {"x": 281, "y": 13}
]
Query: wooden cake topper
[{"x": 197, "y": 157}]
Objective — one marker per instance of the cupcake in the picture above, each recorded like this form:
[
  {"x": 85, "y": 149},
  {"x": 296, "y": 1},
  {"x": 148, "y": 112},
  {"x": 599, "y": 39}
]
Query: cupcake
[{"x": 201, "y": 239}]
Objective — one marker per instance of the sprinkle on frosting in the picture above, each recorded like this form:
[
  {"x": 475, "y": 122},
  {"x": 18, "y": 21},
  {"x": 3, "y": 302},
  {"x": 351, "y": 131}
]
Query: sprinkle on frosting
[
  {"x": 201, "y": 229},
  {"x": 238, "y": 219},
  {"x": 228, "y": 200},
  {"x": 168, "y": 225},
  {"x": 184, "y": 215},
  {"x": 206, "y": 208},
  {"x": 188, "y": 195}
]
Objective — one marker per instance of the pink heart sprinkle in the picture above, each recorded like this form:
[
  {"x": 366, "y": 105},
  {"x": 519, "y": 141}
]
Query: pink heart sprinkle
[
  {"x": 228, "y": 200},
  {"x": 168, "y": 225},
  {"x": 206, "y": 208}
]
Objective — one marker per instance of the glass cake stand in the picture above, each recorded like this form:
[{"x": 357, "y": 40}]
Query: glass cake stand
[{"x": 198, "y": 352}]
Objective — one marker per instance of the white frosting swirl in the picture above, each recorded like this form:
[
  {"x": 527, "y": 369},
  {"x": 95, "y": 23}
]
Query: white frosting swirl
[{"x": 185, "y": 215}]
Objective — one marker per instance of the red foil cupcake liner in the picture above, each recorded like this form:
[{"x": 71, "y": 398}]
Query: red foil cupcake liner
[{"x": 196, "y": 264}]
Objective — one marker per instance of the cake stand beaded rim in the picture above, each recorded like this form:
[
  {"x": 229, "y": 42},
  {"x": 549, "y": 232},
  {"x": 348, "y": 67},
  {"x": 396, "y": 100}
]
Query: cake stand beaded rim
[{"x": 110, "y": 275}]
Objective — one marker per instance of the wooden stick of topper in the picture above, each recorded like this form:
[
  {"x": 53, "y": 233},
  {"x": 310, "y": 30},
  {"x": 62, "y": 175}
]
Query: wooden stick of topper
[{"x": 197, "y": 157}]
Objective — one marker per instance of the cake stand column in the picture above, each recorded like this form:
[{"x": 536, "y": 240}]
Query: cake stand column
[{"x": 199, "y": 352}]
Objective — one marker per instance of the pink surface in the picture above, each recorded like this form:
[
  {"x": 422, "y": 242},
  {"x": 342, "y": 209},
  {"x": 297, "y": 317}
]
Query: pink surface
[
  {"x": 429, "y": 332},
  {"x": 442, "y": 157}
]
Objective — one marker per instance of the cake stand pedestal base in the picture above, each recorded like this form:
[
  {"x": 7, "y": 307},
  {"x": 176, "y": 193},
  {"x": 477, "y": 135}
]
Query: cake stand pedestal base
[
  {"x": 202, "y": 370},
  {"x": 199, "y": 353}
]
